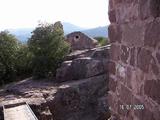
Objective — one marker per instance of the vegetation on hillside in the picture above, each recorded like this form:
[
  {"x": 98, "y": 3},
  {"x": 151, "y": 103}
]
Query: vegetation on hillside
[
  {"x": 13, "y": 58},
  {"x": 24, "y": 61},
  {"x": 40, "y": 57},
  {"x": 48, "y": 47},
  {"x": 102, "y": 41}
]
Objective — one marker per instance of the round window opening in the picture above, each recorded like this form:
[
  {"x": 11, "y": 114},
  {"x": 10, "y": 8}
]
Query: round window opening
[{"x": 77, "y": 37}]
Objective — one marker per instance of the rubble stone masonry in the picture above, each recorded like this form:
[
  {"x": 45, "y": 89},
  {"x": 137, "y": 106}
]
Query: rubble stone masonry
[{"x": 134, "y": 83}]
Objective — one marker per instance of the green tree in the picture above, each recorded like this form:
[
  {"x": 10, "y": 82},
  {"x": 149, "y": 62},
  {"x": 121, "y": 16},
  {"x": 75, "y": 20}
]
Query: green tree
[
  {"x": 23, "y": 61},
  {"x": 102, "y": 41},
  {"x": 48, "y": 46},
  {"x": 8, "y": 50}
]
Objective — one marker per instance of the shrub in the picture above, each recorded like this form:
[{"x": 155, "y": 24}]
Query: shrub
[
  {"x": 23, "y": 61},
  {"x": 102, "y": 41},
  {"x": 15, "y": 58},
  {"x": 8, "y": 50},
  {"x": 48, "y": 46}
]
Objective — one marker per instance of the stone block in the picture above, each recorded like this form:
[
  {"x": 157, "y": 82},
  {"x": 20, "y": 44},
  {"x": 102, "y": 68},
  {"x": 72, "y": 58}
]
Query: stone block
[
  {"x": 116, "y": 2},
  {"x": 155, "y": 67},
  {"x": 129, "y": 75},
  {"x": 152, "y": 34},
  {"x": 133, "y": 34},
  {"x": 112, "y": 16},
  {"x": 114, "y": 33},
  {"x": 158, "y": 57},
  {"x": 115, "y": 52},
  {"x": 124, "y": 53},
  {"x": 112, "y": 67},
  {"x": 143, "y": 59},
  {"x": 125, "y": 95},
  {"x": 127, "y": 12},
  {"x": 149, "y": 8},
  {"x": 137, "y": 81},
  {"x": 94, "y": 68},
  {"x": 112, "y": 84},
  {"x": 80, "y": 68},
  {"x": 121, "y": 71},
  {"x": 144, "y": 9},
  {"x": 132, "y": 56},
  {"x": 155, "y": 8},
  {"x": 143, "y": 113},
  {"x": 63, "y": 73},
  {"x": 100, "y": 53},
  {"x": 113, "y": 102},
  {"x": 111, "y": 4},
  {"x": 85, "y": 68},
  {"x": 152, "y": 88}
]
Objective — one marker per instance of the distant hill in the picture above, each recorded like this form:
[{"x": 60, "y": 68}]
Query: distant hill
[
  {"x": 68, "y": 28},
  {"x": 22, "y": 34},
  {"x": 99, "y": 31},
  {"x": 25, "y": 33}
]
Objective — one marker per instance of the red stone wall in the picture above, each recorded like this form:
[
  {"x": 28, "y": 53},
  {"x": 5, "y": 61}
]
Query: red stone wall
[{"x": 135, "y": 59}]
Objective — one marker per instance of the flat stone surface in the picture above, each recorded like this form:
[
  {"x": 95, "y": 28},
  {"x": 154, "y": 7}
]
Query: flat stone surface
[
  {"x": 21, "y": 112},
  {"x": 49, "y": 100}
]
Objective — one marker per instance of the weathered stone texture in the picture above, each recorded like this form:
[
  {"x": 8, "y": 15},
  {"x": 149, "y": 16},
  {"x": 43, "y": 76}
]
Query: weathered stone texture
[
  {"x": 155, "y": 67},
  {"x": 89, "y": 65},
  {"x": 152, "y": 34},
  {"x": 125, "y": 95},
  {"x": 151, "y": 88},
  {"x": 158, "y": 57},
  {"x": 132, "y": 56},
  {"x": 144, "y": 59},
  {"x": 80, "y": 41},
  {"x": 132, "y": 34},
  {"x": 124, "y": 53},
  {"x": 112, "y": 67},
  {"x": 155, "y": 8},
  {"x": 135, "y": 59},
  {"x": 112, "y": 85},
  {"x": 114, "y": 33},
  {"x": 115, "y": 52},
  {"x": 112, "y": 15},
  {"x": 76, "y": 100}
]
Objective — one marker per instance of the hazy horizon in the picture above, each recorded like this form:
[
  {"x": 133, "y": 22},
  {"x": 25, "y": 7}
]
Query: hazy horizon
[
  {"x": 61, "y": 21},
  {"x": 19, "y": 14}
]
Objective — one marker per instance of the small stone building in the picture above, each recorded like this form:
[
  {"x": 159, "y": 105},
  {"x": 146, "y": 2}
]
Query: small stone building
[{"x": 80, "y": 41}]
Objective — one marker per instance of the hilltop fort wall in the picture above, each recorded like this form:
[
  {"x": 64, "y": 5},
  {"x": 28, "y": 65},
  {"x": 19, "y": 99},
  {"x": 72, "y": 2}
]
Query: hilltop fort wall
[{"x": 134, "y": 83}]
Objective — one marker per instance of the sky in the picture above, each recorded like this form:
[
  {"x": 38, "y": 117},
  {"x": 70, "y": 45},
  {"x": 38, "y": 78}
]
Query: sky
[{"x": 27, "y": 13}]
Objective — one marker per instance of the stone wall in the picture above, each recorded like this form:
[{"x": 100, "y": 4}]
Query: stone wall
[
  {"x": 80, "y": 41},
  {"x": 135, "y": 59}
]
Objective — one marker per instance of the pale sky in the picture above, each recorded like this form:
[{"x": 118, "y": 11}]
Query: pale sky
[{"x": 27, "y": 13}]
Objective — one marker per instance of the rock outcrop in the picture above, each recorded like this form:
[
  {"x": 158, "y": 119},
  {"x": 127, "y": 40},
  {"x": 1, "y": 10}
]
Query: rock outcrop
[
  {"x": 81, "y": 100},
  {"x": 79, "y": 94},
  {"x": 84, "y": 64}
]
